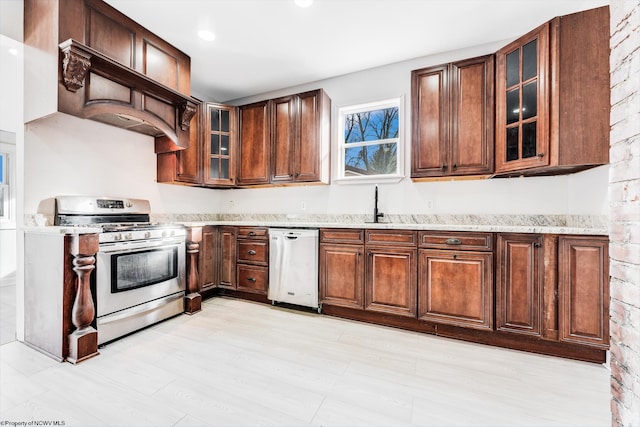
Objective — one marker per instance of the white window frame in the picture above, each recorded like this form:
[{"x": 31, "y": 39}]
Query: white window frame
[{"x": 340, "y": 146}]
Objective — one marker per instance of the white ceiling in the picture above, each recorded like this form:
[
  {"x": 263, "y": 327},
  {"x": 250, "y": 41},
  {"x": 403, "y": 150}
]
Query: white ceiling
[{"x": 265, "y": 45}]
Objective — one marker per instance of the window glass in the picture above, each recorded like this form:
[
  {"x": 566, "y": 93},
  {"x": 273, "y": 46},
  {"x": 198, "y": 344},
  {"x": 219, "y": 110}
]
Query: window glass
[{"x": 370, "y": 141}]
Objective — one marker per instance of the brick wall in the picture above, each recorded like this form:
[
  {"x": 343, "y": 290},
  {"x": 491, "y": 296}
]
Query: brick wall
[{"x": 624, "y": 213}]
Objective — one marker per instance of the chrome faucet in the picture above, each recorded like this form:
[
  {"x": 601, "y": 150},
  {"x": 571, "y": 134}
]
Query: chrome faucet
[{"x": 376, "y": 214}]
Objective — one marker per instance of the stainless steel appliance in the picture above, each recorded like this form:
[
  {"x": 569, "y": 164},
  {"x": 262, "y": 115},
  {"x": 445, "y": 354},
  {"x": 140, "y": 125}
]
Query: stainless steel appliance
[
  {"x": 293, "y": 266},
  {"x": 140, "y": 266}
]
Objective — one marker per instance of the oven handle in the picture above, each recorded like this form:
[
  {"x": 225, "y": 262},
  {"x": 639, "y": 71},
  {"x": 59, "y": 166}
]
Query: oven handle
[
  {"x": 147, "y": 244},
  {"x": 140, "y": 309}
]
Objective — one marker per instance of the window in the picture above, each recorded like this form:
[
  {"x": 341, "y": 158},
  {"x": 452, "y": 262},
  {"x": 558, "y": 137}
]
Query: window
[{"x": 370, "y": 142}]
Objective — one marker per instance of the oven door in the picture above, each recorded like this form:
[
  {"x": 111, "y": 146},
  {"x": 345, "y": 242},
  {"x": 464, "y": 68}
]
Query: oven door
[{"x": 133, "y": 273}]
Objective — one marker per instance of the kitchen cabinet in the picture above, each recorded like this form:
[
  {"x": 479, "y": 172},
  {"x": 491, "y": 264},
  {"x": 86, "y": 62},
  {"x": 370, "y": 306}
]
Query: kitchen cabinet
[
  {"x": 227, "y": 258},
  {"x": 453, "y": 118},
  {"x": 390, "y": 272},
  {"x": 455, "y": 279},
  {"x": 252, "y": 260},
  {"x": 342, "y": 267},
  {"x": 219, "y": 145},
  {"x": 110, "y": 69},
  {"x": 553, "y": 97},
  {"x": 382, "y": 281},
  {"x": 210, "y": 160},
  {"x": 208, "y": 258},
  {"x": 255, "y": 144},
  {"x": 300, "y": 137},
  {"x": 519, "y": 283},
  {"x": 583, "y": 290}
]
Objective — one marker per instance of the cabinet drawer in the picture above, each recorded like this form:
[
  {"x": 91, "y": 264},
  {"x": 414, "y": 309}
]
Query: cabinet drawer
[
  {"x": 253, "y": 252},
  {"x": 253, "y": 233},
  {"x": 342, "y": 235},
  {"x": 467, "y": 241},
  {"x": 252, "y": 278},
  {"x": 391, "y": 237}
]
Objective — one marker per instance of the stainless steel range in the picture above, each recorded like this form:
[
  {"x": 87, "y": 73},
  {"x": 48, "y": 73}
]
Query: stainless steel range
[{"x": 140, "y": 266}]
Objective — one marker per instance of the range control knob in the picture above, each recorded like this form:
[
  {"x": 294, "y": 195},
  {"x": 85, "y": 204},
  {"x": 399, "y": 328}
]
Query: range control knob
[
  {"x": 164, "y": 233},
  {"x": 128, "y": 236},
  {"x": 117, "y": 237},
  {"x": 147, "y": 234}
]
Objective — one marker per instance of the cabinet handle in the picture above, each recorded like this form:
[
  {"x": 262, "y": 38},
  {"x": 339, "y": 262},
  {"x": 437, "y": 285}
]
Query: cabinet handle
[
  {"x": 444, "y": 167},
  {"x": 453, "y": 242},
  {"x": 251, "y": 279},
  {"x": 251, "y": 252},
  {"x": 455, "y": 166},
  {"x": 252, "y": 233},
  {"x": 537, "y": 245},
  {"x": 540, "y": 155}
]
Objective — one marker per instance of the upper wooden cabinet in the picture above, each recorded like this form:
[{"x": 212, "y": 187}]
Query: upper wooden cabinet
[
  {"x": 452, "y": 118},
  {"x": 553, "y": 97},
  {"x": 285, "y": 140},
  {"x": 255, "y": 144},
  {"x": 94, "y": 62},
  {"x": 219, "y": 141},
  {"x": 300, "y": 137}
]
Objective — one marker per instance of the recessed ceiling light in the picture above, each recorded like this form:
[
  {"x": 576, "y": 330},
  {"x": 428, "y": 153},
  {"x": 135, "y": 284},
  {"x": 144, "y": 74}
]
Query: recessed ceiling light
[
  {"x": 304, "y": 3},
  {"x": 206, "y": 35}
]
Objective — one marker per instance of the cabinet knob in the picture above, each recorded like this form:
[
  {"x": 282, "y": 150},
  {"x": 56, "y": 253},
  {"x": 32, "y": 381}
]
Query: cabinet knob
[
  {"x": 540, "y": 155},
  {"x": 251, "y": 252},
  {"x": 537, "y": 245},
  {"x": 455, "y": 166},
  {"x": 444, "y": 167},
  {"x": 251, "y": 279},
  {"x": 455, "y": 256},
  {"x": 252, "y": 233}
]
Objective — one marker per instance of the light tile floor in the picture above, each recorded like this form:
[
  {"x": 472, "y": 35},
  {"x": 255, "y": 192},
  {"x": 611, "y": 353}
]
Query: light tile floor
[
  {"x": 7, "y": 313},
  {"x": 239, "y": 363}
]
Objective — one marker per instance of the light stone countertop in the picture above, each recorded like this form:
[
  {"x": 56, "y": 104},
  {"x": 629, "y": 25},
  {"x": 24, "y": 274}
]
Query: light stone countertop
[{"x": 524, "y": 223}]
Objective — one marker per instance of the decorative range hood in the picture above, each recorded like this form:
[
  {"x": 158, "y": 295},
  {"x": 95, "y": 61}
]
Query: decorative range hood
[
  {"x": 78, "y": 61},
  {"x": 107, "y": 68}
]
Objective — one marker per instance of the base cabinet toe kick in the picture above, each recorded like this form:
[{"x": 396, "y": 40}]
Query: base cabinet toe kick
[{"x": 542, "y": 293}]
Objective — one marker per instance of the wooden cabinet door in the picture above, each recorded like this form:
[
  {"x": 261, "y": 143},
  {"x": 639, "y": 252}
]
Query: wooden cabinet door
[
  {"x": 430, "y": 115},
  {"x": 520, "y": 274},
  {"x": 342, "y": 275},
  {"x": 390, "y": 280},
  {"x": 312, "y": 117},
  {"x": 189, "y": 167},
  {"x": 583, "y": 290},
  {"x": 255, "y": 144},
  {"x": 219, "y": 147},
  {"x": 456, "y": 288},
  {"x": 207, "y": 267},
  {"x": 522, "y": 102},
  {"x": 472, "y": 116},
  {"x": 227, "y": 258},
  {"x": 283, "y": 138}
]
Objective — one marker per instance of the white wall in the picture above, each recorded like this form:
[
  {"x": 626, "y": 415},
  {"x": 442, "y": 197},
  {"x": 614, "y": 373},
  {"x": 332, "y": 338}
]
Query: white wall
[
  {"x": 583, "y": 193},
  {"x": 65, "y": 155}
]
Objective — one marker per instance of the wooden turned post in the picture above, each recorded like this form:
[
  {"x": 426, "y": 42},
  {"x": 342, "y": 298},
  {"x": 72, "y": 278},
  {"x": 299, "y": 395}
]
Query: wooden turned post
[
  {"x": 193, "y": 299},
  {"x": 83, "y": 341}
]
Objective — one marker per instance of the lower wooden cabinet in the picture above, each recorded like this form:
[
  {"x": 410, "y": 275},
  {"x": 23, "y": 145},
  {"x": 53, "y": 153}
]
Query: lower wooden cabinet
[
  {"x": 342, "y": 275},
  {"x": 252, "y": 260},
  {"x": 519, "y": 283},
  {"x": 253, "y": 278},
  {"x": 390, "y": 280},
  {"x": 583, "y": 290},
  {"x": 208, "y": 258},
  {"x": 227, "y": 258},
  {"x": 456, "y": 288}
]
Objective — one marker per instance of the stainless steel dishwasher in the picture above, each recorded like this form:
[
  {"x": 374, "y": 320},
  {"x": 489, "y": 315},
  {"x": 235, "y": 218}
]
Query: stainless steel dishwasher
[{"x": 293, "y": 267}]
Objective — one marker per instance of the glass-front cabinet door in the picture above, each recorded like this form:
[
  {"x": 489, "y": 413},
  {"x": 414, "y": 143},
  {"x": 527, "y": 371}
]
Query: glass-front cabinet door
[
  {"x": 220, "y": 134},
  {"x": 522, "y": 102}
]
